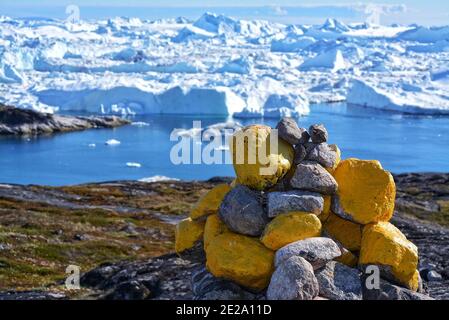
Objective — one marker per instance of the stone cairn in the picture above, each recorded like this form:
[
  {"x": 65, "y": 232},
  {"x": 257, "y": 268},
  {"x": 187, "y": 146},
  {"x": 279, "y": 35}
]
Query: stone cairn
[{"x": 316, "y": 228}]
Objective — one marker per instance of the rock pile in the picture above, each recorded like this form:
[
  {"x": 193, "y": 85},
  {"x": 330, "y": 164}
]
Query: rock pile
[{"x": 311, "y": 227}]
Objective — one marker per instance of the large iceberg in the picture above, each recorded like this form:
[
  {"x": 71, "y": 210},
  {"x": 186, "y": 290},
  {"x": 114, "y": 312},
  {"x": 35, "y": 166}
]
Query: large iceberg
[{"x": 401, "y": 97}]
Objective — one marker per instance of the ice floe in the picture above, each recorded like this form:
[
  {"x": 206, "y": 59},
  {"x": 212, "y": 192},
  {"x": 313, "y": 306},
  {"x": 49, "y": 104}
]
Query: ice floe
[
  {"x": 112, "y": 142},
  {"x": 133, "y": 165}
]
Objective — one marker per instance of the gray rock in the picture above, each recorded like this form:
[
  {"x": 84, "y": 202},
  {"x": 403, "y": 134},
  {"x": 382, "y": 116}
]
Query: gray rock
[
  {"x": 289, "y": 131},
  {"x": 295, "y": 200},
  {"x": 317, "y": 251},
  {"x": 32, "y": 295},
  {"x": 339, "y": 282},
  {"x": 241, "y": 210},
  {"x": 386, "y": 273},
  {"x": 431, "y": 275},
  {"x": 318, "y": 133},
  {"x": 16, "y": 121},
  {"x": 293, "y": 280},
  {"x": 300, "y": 154},
  {"x": 206, "y": 286},
  {"x": 132, "y": 290},
  {"x": 323, "y": 154},
  {"x": 388, "y": 291},
  {"x": 311, "y": 176}
]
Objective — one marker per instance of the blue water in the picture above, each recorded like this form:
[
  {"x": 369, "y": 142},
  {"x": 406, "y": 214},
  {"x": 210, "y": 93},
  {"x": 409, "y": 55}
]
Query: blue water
[{"x": 402, "y": 143}]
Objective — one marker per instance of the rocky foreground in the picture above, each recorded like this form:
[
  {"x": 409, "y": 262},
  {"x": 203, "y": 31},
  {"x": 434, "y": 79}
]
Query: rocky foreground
[
  {"x": 121, "y": 234},
  {"x": 14, "y": 121}
]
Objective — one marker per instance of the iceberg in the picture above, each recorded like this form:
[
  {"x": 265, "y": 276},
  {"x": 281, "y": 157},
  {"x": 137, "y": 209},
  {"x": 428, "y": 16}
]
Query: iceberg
[
  {"x": 331, "y": 60},
  {"x": 393, "y": 99},
  {"x": 425, "y": 34}
]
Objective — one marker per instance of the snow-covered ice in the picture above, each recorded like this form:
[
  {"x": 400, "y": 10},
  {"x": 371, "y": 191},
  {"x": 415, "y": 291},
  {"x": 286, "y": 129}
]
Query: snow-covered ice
[{"x": 218, "y": 65}]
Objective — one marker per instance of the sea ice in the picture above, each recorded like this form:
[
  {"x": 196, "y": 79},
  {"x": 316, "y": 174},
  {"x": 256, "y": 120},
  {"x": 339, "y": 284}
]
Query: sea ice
[{"x": 218, "y": 65}]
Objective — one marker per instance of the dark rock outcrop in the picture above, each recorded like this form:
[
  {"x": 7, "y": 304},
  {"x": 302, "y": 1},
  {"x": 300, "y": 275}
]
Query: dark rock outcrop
[{"x": 14, "y": 121}]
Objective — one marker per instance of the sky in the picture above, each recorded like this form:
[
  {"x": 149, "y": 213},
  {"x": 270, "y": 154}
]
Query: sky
[{"x": 431, "y": 12}]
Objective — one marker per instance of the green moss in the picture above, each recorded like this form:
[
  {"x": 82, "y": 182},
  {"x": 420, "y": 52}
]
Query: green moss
[{"x": 41, "y": 240}]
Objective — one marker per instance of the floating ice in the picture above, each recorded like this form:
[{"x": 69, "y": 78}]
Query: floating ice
[
  {"x": 140, "y": 124},
  {"x": 133, "y": 165},
  {"x": 112, "y": 142}
]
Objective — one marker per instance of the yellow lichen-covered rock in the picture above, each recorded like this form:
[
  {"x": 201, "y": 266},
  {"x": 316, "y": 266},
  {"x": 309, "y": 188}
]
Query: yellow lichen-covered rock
[
  {"x": 241, "y": 259},
  {"x": 187, "y": 233},
  {"x": 348, "y": 233},
  {"x": 255, "y": 163},
  {"x": 290, "y": 227},
  {"x": 348, "y": 258},
  {"x": 384, "y": 244},
  {"x": 326, "y": 209},
  {"x": 210, "y": 202},
  {"x": 213, "y": 228},
  {"x": 366, "y": 192}
]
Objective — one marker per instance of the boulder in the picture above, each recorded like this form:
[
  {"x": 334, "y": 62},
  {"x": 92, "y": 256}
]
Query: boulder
[
  {"x": 311, "y": 176},
  {"x": 282, "y": 202},
  {"x": 339, "y": 282},
  {"x": 300, "y": 154},
  {"x": 188, "y": 233},
  {"x": 290, "y": 227},
  {"x": 366, "y": 192},
  {"x": 255, "y": 163},
  {"x": 326, "y": 155},
  {"x": 348, "y": 233},
  {"x": 214, "y": 227},
  {"x": 241, "y": 259},
  {"x": 242, "y": 212},
  {"x": 318, "y": 133},
  {"x": 289, "y": 131},
  {"x": 210, "y": 202},
  {"x": 389, "y": 291},
  {"x": 317, "y": 251},
  {"x": 384, "y": 244},
  {"x": 293, "y": 280}
]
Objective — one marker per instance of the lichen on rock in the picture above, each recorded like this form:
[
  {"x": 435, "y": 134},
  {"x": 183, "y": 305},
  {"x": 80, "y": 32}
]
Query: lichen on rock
[
  {"x": 210, "y": 202},
  {"x": 384, "y": 244},
  {"x": 290, "y": 227},
  {"x": 366, "y": 192},
  {"x": 255, "y": 163},
  {"x": 241, "y": 259},
  {"x": 187, "y": 233}
]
